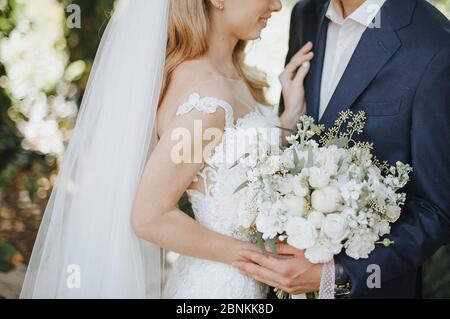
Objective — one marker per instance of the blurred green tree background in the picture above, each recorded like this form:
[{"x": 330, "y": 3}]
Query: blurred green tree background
[{"x": 44, "y": 66}]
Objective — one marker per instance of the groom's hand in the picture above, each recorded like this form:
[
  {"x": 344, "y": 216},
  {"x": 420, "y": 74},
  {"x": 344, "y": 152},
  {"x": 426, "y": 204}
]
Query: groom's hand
[{"x": 289, "y": 270}]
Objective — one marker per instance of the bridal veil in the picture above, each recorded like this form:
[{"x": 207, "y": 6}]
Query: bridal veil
[{"x": 86, "y": 247}]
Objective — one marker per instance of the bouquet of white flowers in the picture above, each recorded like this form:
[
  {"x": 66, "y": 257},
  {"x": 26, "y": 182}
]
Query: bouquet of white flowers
[{"x": 321, "y": 194}]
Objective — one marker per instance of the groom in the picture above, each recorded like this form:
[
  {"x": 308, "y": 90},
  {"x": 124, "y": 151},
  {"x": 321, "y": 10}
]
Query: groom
[{"x": 391, "y": 59}]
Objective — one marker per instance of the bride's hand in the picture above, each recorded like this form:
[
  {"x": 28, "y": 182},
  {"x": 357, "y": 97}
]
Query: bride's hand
[{"x": 292, "y": 80}]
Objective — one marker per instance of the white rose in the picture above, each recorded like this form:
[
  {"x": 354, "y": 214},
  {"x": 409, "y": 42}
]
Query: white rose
[
  {"x": 393, "y": 212},
  {"x": 316, "y": 218},
  {"x": 327, "y": 200},
  {"x": 318, "y": 178},
  {"x": 268, "y": 225},
  {"x": 335, "y": 227},
  {"x": 296, "y": 205},
  {"x": 319, "y": 254},
  {"x": 301, "y": 233}
]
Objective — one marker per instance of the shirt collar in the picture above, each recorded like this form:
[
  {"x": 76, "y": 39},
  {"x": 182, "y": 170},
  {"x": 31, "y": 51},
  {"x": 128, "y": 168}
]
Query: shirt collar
[{"x": 364, "y": 15}]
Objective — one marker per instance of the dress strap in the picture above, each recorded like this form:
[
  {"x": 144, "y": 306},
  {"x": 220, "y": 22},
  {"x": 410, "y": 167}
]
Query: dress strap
[{"x": 208, "y": 105}]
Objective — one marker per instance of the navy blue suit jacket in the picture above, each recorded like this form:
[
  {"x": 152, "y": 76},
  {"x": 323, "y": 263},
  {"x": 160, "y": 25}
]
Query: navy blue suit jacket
[{"x": 400, "y": 76}]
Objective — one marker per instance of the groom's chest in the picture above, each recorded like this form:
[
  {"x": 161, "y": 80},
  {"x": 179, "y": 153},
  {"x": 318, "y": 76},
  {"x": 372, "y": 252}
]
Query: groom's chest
[{"x": 387, "y": 99}]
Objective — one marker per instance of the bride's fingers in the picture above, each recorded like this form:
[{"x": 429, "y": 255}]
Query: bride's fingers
[
  {"x": 268, "y": 262},
  {"x": 297, "y": 61},
  {"x": 284, "y": 256},
  {"x": 293, "y": 66},
  {"x": 260, "y": 273},
  {"x": 302, "y": 73},
  {"x": 285, "y": 249},
  {"x": 306, "y": 48},
  {"x": 279, "y": 255},
  {"x": 303, "y": 52}
]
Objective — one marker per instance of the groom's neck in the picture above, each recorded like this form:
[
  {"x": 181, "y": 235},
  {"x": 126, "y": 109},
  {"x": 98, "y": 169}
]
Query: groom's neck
[{"x": 348, "y": 6}]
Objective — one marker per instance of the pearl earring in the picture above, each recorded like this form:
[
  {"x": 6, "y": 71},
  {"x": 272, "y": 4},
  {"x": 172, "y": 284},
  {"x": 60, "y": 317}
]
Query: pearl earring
[{"x": 221, "y": 5}]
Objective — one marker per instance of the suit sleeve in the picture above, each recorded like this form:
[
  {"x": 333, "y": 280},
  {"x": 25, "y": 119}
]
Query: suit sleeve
[{"x": 425, "y": 222}]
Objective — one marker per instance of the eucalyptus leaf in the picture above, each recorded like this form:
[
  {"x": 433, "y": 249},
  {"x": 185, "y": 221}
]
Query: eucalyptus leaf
[
  {"x": 273, "y": 246},
  {"x": 341, "y": 142},
  {"x": 299, "y": 164},
  {"x": 239, "y": 160},
  {"x": 261, "y": 244},
  {"x": 241, "y": 187},
  {"x": 310, "y": 162},
  {"x": 340, "y": 163},
  {"x": 285, "y": 129}
]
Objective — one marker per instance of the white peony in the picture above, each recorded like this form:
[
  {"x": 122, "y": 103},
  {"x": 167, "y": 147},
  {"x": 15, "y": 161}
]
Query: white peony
[
  {"x": 296, "y": 205},
  {"x": 319, "y": 254},
  {"x": 393, "y": 213},
  {"x": 335, "y": 227},
  {"x": 318, "y": 178},
  {"x": 316, "y": 218},
  {"x": 301, "y": 233},
  {"x": 327, "y": 200}
]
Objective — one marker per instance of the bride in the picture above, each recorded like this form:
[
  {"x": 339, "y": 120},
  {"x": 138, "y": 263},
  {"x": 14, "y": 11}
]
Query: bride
[{"x": 165, "y": 69}]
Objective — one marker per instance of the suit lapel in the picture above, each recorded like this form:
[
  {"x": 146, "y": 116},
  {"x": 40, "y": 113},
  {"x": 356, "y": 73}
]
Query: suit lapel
[
  {"x": 374, "y": 50},
  {"x": 314, "y": 79}
]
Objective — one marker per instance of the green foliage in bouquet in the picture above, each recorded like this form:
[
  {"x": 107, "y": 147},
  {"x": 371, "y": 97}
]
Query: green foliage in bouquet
[{"x": 342, "y": 134}]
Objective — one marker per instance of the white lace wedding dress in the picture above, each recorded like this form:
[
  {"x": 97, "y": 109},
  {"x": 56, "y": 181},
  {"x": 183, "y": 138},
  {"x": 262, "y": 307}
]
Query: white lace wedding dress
[{"x": 217, "y": 209}]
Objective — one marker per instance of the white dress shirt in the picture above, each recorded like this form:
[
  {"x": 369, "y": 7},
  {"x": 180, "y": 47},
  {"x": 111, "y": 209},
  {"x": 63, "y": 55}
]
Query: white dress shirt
[{"x": 342, "y": 40}]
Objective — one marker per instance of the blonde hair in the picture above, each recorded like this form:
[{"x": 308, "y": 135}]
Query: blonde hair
[{"x": 188, "y": 39}]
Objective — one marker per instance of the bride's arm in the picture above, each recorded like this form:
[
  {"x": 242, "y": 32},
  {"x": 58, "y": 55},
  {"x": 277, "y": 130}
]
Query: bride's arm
[{"x": 155, "y": 216}]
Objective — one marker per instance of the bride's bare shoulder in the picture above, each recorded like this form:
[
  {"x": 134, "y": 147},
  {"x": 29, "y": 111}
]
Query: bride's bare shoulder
[
  {"x": 196, "y": 76},
  {"x": 198, "y": 70},
  {"x": 191, "y": 77}
]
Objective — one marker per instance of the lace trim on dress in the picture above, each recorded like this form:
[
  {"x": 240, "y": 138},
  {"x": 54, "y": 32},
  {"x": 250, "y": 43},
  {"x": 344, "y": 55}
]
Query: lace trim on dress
[{"x": 208, "y": 105}]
